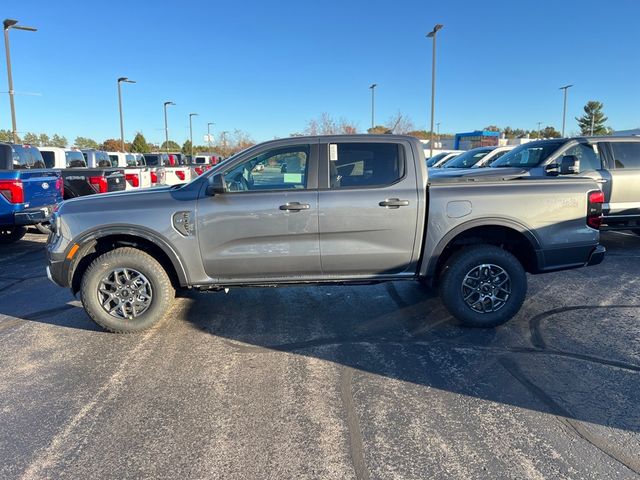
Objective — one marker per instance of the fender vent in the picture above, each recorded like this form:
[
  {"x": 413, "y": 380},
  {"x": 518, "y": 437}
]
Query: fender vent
[{"x": 183, "y": 223}]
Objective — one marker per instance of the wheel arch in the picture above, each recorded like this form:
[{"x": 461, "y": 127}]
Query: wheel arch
[
  {"x": 98, "y": 241},
  {"x": 505, "y": 233}
]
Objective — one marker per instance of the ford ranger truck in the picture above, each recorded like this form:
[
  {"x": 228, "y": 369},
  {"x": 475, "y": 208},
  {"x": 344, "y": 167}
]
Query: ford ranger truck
[
  {"x": 29, "y": 193},
  {"x": 355, "y": 209}
]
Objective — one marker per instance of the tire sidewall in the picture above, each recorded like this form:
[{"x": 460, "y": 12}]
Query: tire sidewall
[
  {"x": 462, "y": 263},
  {"x": 126, "y": 258}
]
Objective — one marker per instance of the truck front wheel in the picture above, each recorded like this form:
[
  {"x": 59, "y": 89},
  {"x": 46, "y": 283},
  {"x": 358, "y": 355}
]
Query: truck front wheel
[
  {"x": 483, "y": 286},
  {"x": 126, "y": 291},
  {"x": 11, "y": 233}
]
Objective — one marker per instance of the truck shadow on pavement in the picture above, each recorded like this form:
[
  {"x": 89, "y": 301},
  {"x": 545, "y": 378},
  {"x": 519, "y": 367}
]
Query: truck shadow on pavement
[{"x": 540, "y": 361}]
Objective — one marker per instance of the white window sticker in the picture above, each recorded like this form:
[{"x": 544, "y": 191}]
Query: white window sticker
[{"x": 333, "y": 152}]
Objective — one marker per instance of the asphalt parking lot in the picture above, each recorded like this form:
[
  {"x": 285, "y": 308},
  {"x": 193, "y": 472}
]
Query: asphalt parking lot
[{"x": 331, "y": 382}]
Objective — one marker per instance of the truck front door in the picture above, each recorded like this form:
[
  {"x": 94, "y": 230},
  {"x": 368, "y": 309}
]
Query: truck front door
[
  {"x": 368, "y": 213},
  {"x": 265, "y": 226}
]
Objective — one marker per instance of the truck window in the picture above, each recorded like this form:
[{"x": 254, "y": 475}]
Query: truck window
[
  {"x": 49, "y": 159},
  {"x": 103, "y": 160},
  {"x": 626, "y": 154},
  {"x": 363, "y": 165},
  {"x": 114, "y": 159},
  {"x": 75, "y": 159},
  {"x": 588, "y": 155},
  {"x": 528, "y": 155},
  {"x": 131, "y": 160},
  {"x": 277, "y": 169},
  {"x": 25, "y": 156}
]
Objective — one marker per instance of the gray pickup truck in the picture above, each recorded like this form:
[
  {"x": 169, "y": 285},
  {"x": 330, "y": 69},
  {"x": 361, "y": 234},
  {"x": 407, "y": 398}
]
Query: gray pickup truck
[{"x": 346, "y": 210}]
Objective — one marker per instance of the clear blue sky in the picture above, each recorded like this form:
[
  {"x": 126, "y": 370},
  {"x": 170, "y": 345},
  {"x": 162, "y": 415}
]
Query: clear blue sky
[{"x": 269, "y": 67}]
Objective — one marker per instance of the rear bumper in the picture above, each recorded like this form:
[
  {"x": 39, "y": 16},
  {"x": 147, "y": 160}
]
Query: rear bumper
[
  {"x": 565, "y": 258},
  {"x": 597, "y": 255},
  {"x": 33, "y": 215}
]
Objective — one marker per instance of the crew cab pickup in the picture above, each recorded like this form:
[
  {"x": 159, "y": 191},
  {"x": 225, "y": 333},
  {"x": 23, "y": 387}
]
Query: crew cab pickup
[
  {"x": 136, "y": 173},
  {"x": 354, "y": 209},
  {"x": 29, "y": 192},
  {"x": 80, "y": 180},
  {"x": 167, "y": 169},
  {"x": 613, "y": 162}
]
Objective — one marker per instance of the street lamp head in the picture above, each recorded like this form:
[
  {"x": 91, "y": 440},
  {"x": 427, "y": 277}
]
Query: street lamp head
[
  {"x": 11, "y": 23},
  {"x": 193, "y": 114},
  {"x": 210, "y": 123},
  {"x": 8, "y": 23},
  {"x": 373, "y": 85},
  {"x": 168, "y": 103},
  {"x": 126, "y": 80},
  {"x": 565, "y": 87},
  {"x": 432, "y": 33}
]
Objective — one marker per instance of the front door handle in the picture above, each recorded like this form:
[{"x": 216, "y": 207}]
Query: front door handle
[
  {"x": 394, "y": 203},
  {"x": 294, "y": 206}
]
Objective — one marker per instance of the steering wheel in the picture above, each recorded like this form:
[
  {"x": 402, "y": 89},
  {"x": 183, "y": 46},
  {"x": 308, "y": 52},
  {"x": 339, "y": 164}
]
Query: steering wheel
[{"x": 238, "y": 184}]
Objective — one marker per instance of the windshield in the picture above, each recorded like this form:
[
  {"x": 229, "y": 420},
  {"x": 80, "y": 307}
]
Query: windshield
[
  {"x": 467, "y": 159},
  {"x": 436, "y": 158},
  {"x": 528, "y": 155}
]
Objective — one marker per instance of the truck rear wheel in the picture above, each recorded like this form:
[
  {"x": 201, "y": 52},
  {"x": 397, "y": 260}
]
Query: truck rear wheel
[
  {"x": 126, "y": 291},
  {"x": 483, "y": 286},
  {"x": 11, "y": 233}
]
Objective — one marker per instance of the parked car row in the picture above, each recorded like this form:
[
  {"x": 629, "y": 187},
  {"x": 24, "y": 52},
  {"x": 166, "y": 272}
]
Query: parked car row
[{"x": 34, "y": 180}]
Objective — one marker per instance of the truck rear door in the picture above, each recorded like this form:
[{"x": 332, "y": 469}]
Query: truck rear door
[
  {"x": 368, "y": 209},
  {"x": 624, "y": 168}
]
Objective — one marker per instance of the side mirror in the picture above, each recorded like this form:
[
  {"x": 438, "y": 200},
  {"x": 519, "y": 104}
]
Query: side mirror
[
  {"x": 216, "y": 185},
  {"x": 552, "y": 169},
  {"x": 570, "y": 165}
]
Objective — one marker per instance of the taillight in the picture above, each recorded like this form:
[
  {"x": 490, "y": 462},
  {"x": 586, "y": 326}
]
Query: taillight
[
  {"x": 172, "y": 160},
  {"x": 594, "y": 209},
  {"x": 199, "y": 170},
  {"x": 154, "y": 177},
  {"x": 60, "y": 186},
  {"x": 12, "y": 190},
  {"x": 99, "y": 184},
  {"x": 180, "y": 174},
  {"x": 133, "y": 179}
]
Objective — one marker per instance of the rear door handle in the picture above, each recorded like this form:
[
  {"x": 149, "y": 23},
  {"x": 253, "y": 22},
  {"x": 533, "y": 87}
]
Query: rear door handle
[
  {"x": 393, "y": 203},
  {"x": 294, "y": 206}
]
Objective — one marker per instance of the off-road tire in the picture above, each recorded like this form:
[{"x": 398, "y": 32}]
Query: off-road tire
[
  {"x": 131, "y": 258},
  {"x": 463, "y": 262}
]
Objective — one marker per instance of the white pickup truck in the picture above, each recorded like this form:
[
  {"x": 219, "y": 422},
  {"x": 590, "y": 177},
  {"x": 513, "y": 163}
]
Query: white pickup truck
[
  {"x": 137, "y": 174},
  {"x": 166, "y": 169}
]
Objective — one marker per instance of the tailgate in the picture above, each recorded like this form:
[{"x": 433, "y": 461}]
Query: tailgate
[
  {"x": 115, "y": 180},
  {"x": 41, "y": 187}
]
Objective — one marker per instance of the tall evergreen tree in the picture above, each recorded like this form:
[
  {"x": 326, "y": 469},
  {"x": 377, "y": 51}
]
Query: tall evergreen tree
[
  {"x": 58, "y": 141},
  {"x": 139, "y": 144},
  {"x": 186, "y": 147},
  {"x": 593, "y": 120}
]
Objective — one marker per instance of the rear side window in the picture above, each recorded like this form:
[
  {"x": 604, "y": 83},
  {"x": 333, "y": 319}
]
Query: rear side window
[
  {"x": 131, "y": 160},
  {"x": 626, "y": 154},
  {"x": 363, "y": 165},
  {"x": 114, "y": 159},
  {"x": 104, "y": 161},
  {"x": 152, "y": 159},
  {"x": 75, "y": 160},
  {"x": 49, "y": 159},
  {"x": 587, "y": 154}
]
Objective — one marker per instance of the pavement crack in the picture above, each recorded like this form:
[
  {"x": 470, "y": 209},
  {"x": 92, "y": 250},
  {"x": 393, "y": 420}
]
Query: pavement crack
[
  {"x": 565, "y": 418},
  {"x": 537, "y": 339},
  {"x": 356, "y": 446}
]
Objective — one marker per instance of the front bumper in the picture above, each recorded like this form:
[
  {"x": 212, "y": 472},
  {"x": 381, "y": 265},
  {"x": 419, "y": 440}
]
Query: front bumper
[{"x": 33, "y": 215}]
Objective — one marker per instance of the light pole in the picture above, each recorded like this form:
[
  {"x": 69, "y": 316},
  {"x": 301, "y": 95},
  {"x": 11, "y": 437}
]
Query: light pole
[
  {"x": 209, "y": 135},
  {"x": 564, "y": 109},
  {"x": 432, "y": 34},
  {"x": 223, "y": 136},
  {"x": 593, "y": 119},
  {"x": 120, "y": 80},
  {"x": 166, "y": 128},
  {"x": 438, "y": 131},
  {"x": 373, "y": 89},
  {"x": 191, "y": 115},
  {"x": 9, "y": 23},
  {"x": 539, "y": 130}
]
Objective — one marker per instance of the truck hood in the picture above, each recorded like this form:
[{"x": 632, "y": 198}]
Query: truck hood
[{"x": 125, "y": 200}]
